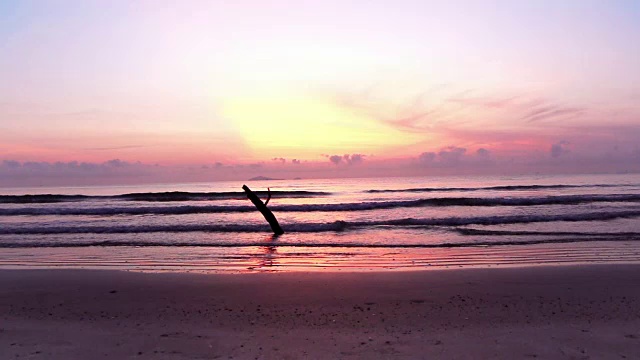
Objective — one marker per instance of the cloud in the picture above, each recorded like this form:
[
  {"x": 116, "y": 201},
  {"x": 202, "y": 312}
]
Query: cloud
[
  {"x": 116, "y": 163},
  {"x": 69, "y": 167},
  {"x": 11, "y": 164},
  {"x": 559, "y": 149},
  {"x": 483, "y": 153},
  {"x": 485, "y": 101},
  {"x": 413, "y": 121},
  {"x": 115, "y": 148},
  {"x": 282, "y": 160},
  {"x": 74, "y": 173},
  {"x": 28, "y": 173},
  {"x": 295, "y": 161},
  {"x": 549, "y": 111},
  {"x": 355, "y": 159},
  {"x": 451, "y": 154},
  {"x": 535, "y": 109},
  {"x": 336, "y": 159},
  {"x": 412, "y": 113},
  {"x": 447, "y": 156},
  {"x": 427, "y": 157},
  {"x": 349, "y": 159}
]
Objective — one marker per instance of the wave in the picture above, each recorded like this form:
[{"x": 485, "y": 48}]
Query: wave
[
  {"x": 478, "y": 232},
  {"x": 177, "y": 196},
  {"x": 278, "y": 243},
  {"x": 124, "y": 210},
  {"x": 340, "y": 207},
  {"x": 320, "y": 227},
  {"x": 153, "y": 197},
  {"x": 41, "y": 198},
  {"x": 499, "y": 188}
]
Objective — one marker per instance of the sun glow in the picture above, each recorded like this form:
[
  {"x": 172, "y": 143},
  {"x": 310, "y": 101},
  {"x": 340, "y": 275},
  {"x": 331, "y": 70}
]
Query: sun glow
[{"x": 304, "y": 126}]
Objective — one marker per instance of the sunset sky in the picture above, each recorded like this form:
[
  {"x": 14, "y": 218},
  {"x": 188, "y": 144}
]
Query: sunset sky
[{"x": 141, "y": 91}]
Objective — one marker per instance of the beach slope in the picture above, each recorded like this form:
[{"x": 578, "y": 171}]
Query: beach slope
[{"x": 572, "y": 312}]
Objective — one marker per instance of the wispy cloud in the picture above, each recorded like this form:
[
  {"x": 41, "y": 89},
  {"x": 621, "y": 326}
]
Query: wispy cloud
[
  {"x": 552, "y": 111},
  {"x": 412, "y": 122},
  {"x": 432, "y": 112},
  {"x": 533, "y": 109},
  {"x": 487, "y": 101},
  {"x": 412, "y": 113},
  {"x": 124, "y": 147}
]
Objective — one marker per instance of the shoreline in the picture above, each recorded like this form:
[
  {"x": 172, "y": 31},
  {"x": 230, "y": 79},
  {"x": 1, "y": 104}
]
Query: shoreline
[
  {"x": 576, "y": 311},
  {"x": 255, "y": 259}
]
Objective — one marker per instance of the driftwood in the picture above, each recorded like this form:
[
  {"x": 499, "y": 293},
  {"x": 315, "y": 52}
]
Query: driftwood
[{"x": 262, "y": 207}]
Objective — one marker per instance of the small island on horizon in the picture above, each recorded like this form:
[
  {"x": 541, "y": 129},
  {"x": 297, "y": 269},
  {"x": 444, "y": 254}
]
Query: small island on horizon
[{"x": 257, "y": 178}]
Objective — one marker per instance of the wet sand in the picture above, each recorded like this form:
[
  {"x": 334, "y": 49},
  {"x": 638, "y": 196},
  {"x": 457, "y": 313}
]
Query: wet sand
[{"x": 562, "y": 312}]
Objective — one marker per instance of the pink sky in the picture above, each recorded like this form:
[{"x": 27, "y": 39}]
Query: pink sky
[{"x": 218, "y": 90}]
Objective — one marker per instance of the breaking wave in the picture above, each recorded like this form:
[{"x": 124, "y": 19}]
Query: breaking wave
[
  {"x": 320, "y": 227},
  {"x": 153, "y": 197},
  {"x": 156, "y": 243},
  {"x": 498, "y": 188},
  {"x": 340, "y": 207}
]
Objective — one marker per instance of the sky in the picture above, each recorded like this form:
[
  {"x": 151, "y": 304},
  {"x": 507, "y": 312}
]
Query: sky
[{"x": 153, "y": 91}]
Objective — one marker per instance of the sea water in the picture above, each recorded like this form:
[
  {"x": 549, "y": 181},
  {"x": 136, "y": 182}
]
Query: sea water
[{"x": 338, "y": 224}]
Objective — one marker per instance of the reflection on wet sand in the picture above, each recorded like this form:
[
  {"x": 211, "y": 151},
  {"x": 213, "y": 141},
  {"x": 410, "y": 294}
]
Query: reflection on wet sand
[{"x": 269, "y": 260}]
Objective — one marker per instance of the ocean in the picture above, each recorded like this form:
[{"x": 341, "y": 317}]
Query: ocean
[{"x": 330, "y": 224}]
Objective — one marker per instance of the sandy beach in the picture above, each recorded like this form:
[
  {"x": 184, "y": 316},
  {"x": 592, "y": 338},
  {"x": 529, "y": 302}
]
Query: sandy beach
[{"x": 563, "y": 312}]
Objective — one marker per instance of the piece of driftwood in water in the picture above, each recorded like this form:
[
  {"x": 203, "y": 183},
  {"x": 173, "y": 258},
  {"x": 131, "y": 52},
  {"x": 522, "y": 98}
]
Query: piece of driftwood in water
[{"x": 268, "y": 215}]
